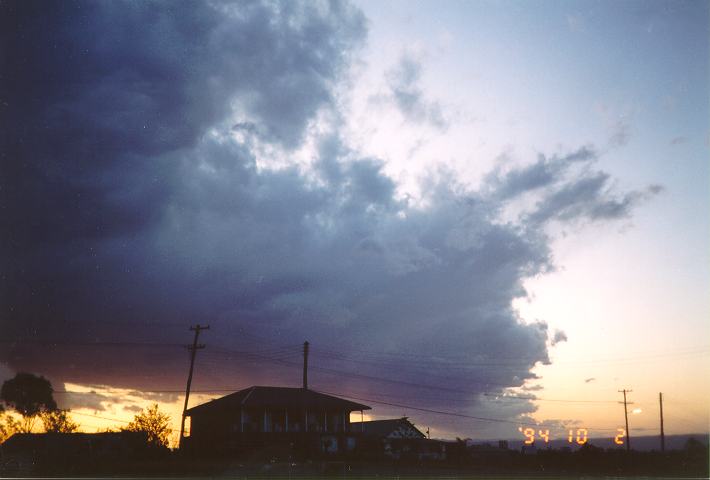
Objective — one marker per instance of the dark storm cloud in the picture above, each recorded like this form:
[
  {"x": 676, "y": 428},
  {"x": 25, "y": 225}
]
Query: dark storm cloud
[
  {"x": 100, "y": 91},
  {"x": 103, "y": 104},
  {"x": 135, "y": 207},
  {"x": 101, "y": 94}
]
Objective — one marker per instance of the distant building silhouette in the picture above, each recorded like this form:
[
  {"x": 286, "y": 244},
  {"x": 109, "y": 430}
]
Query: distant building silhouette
[
  {"x": 399, "y": 438},
  {"x": 392, "y": 428}
]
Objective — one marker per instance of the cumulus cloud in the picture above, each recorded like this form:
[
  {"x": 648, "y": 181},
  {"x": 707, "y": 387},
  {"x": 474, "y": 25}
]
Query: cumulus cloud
[{"x": 134, "y": 206}]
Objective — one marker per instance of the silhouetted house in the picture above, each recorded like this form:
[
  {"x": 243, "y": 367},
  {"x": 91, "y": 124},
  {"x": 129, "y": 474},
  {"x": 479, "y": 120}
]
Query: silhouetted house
[
  {"x": 399, "y": 439},
  {"x": 31, "y": 453},
  {"x": 260, "y": 417}
]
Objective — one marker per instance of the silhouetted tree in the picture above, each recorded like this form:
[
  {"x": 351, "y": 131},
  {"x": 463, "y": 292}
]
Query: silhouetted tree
[
  {"x": 156, "y": 424},
  {"x": 57, "y": 421},
  {"x": 8, "y": 425},
  {"x": 693, "y": 445},
  {"x": 29, "y": 395}
]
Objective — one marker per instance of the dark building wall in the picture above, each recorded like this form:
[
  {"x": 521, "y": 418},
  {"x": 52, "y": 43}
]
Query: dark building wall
[
  {"x": 221, "y": 423},
  {"x": 220, "y": 432},
  {"x": 214, "y": 424}
]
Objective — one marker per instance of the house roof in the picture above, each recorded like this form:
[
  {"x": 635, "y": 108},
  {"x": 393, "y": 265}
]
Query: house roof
[
  {"x": 277, "y": 397},
  {"x": 383, "y": 428}
]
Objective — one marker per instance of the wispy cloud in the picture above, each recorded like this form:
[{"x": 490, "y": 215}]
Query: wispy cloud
[
  {"x": 559, "y": 336},
  {"x": 408, "y": 96},
  {"x": 567, "y": 189},
  {"x": 620, "y": 133}
]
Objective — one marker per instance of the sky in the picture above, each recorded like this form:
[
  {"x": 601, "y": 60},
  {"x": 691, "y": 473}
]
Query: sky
[{"x": 495, "y": 210}]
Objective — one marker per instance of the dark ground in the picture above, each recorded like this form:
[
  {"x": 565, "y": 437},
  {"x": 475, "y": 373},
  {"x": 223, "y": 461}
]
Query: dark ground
[{"x": 503, "y": 464}]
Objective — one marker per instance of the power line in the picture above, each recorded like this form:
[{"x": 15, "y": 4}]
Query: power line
[
  {"x": 160, "y": 391},
  {"x": 536, "y": 399},
  {"x": 234, "y": 389},
  {"x": 441, "y": 388},
  {"x": 432, "y": 387},
  {"x": 380, "y": 379},
  {"x": 72, "y": 412},
  {"x": 445, "y": 362},
  {"x": 392, "y": 404},
  {"x": 278, "y": 355},
  {"x": 358, "y": 375},
  {"x": 387, "y": 403},
  {"x": 464, "y": 360},
  {"x": 241, "y": 387},
  {"x": 642, "y": 358},
  {"x": 285, "y": 351},
  {"x": 462, "y": 365},
  {"x": 418, "y": 385},
  {"x": 443, "y": 412},
  {"x": 90, "y": 344}
]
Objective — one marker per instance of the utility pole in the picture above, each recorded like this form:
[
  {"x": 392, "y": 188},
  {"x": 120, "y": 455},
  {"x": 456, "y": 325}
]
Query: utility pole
[
  {"x": 626, "y": 419},
  {"x": 305, "y": 365},
  {"x": 663, "y": 437},
  {"x": 193, "y": 351}
]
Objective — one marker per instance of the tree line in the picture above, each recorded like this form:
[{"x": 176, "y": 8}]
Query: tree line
[{"x": 31, "y": 397}]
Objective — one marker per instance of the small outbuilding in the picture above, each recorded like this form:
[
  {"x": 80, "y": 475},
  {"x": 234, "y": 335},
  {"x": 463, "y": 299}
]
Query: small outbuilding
[{"x": 399, "y": 438}]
